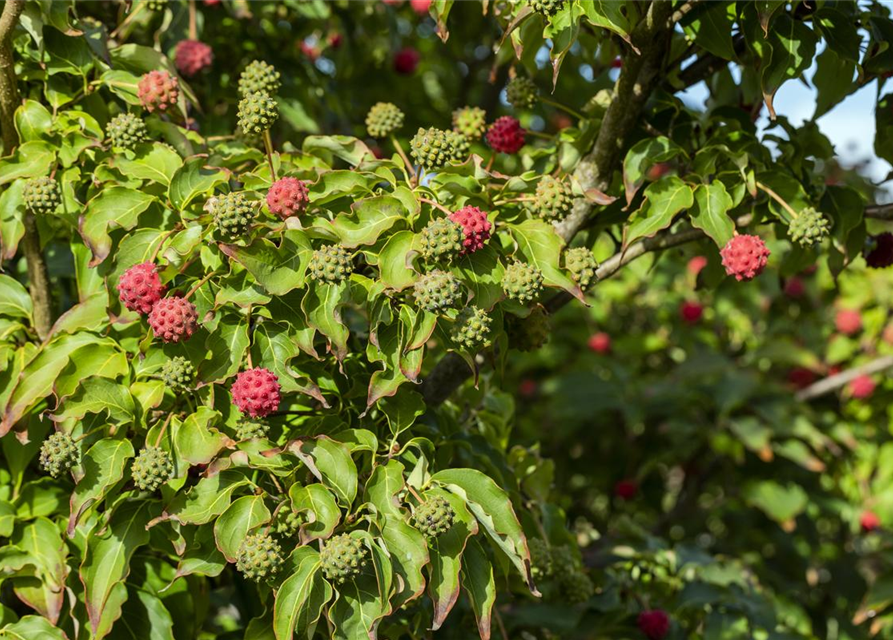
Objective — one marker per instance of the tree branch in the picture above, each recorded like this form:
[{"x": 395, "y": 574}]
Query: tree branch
[
  {"x": 832, "y": 383},
  {"x": 38, "y": 278},
  {"x": 879, "y": 211}
]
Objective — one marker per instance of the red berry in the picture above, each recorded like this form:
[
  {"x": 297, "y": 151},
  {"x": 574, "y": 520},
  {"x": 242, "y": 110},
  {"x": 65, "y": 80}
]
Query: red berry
[
  {"x": 527, "y": 387},
  {"x": 561, "y": 120},
  {"x": 158, "y": 90},
  {"x": 861, "y": 387},
  {"x": 654, "y": 624},
  {"x": 506, "y": 135},
  {"x": 869, "y": 521},
  {"x": 256, "y": 392},
  {"x": 744, "y": 256},
  {"x": 212, "y": 3},
  {"x": 335, "y": 39},
  {"x": 880, "y": 255},
  {"x": 191, "y": 56},
  {"x": 848, "y": 321},
  {"x": 794, "y": 287},
  {"x": 140, "y": 287},
  {"x": 887, "y": 335},
  {"x": 801, "y": 377},
  {"x": 696, "y": 265},
  {"x": 691, "y": 312},
  {"x": 421, "y": 7},
  {"x": 475, "y": 227},
  {"x": 600, "y": 342},
  {"x": 406, "y": 60},
  {"x": 309, "y": 50},
  {"x": 616, "y": 63},
  {"x": 173, "y": 319},
  {"x": 626, "y": 489},
  {"x": 287, "y": 197}
]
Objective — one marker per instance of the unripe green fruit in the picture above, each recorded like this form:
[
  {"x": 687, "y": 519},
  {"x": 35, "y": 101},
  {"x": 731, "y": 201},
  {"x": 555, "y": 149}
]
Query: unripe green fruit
[
  {"x": 576, "y": 586},
  {"x": 260, "y": 557},
  {"x": 521, "y": 92},
  {"x": 433, "y": 148},
  {"x": 441, "y": 240},
  {"x": 287, "y": 522},
  {"x": 471, "y": 122},
  {"x": 156, "y": 5},
  {"x": 434, "y": 516},
  {"x": 522, "y": 282},
  {"x": 563, "y": 561},
  {"x": 178, "y": 374},
  {"x": 343, "y": 558},
  {"x": 152, "y": 468},
  {"x": 383, "y": 119},
  {"x": 259, "y": 77},
  {"x": 582, "y": 265},
  {"x": 249, "y": 429},
  {"x": 42, "y": 195},
  {"x": 540, "y": 558},
  {"x": 472, "y": 329},
  {"x": 233, "y": 214},
  {"x": 437, "y": 291},
  {"x": 257, "y": 113},
  {"x": 809, "y": 227},
  {"x": 530, "y": 333},
  {"x": 547, "y": 8},
  {"x": 126, "y": 130},
  {"x": 58, "y": 454},
  {"x": 330, "y": 263},
  {"x": 553, "y": 199}
]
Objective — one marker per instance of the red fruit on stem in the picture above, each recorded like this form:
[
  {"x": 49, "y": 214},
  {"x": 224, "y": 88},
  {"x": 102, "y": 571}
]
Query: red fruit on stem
[
  {"x": 880, "y": 251},
  {"x": 475, "y": 227},
  {"x": 848, "y": 321},
  {"x": 744, "y": 256},
  {"x": 173, "y": 319},
  {"x": 616, "y": 63},
  {"x": 869, "y": 521},
  {"x": 861, "y": 387},
  {"x": 506, "y": 135},
  {"x": 406, "y": 60},
  {"x": 691, "y": 312},
  {"x": 158, "y": 90},
  {"x": 421, "y": 7},
  {"x": 139, "y": 288},
  {"x": 801, "y": 377},
  {"x": 794, "y": 287},
  {"x": 626, "y": 489},
  {"x": 696, "y": 265},
  {"x": 191, "y": 56},
  {"x": 309, "y": 50},
  {"x": 256, "y": 392},
  {"x": 527, "y": 388},
  {"x": 287, "y": 197},
  {"x": 600, "y": 342},
  {"x": 654, "y": 624},
  {"x": 335, "y": 40}
]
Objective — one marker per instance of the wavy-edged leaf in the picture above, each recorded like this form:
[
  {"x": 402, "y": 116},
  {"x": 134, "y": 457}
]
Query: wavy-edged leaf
[
  {"x": 243, "y": 515},
  {"x": 709, "y": 212},
  {"x": 363, "y": 601},
  {"x": 103, "y": 464},
  {"x": 301, "y": 598},
  {"x": 319, "y": 508},
  {"x": 541, "y": 246}
]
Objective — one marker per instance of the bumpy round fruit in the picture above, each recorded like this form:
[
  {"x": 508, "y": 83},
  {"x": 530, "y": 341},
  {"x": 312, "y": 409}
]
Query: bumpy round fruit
[
  {"x": 259, "y": 77},
  {"x": 433, "y": 148},
  {"x": 879, "y": 250},
  {"x": 576, "y": 586},
  {"x": 158, "y": 91},
  {"x": 126, "y": 130},
  {"x": 42, "y": 195},
  {"x": 654, "y": 624},
  {"x": 383, "y": 119},
  {"x": 434, "y": 516},
  {"x": 260, "y": 557},
  {"x": 256, "y": 392},
  {"x": 553, "y": 200},
  {"x": 233, "y": 214},
  {"x": 521, "y": 92},
  {"x": 471, "y": 122},
  {"x": 744, "y": 257},
  {"x": 441, "y": 240},
  {"x": 472, "y": 329},
  {"x": 475, "y": 227},
  {"x": 173, "y": 319},
  {"x": 343, "y": 558},
  {"x": 582, "y": 265},
  {"x": 530, "y": 333},
  {"x": 178, "y": 374},
  {"x": 58, "y": 454},
  {"x": 330, "y": 263},
  {"x": 248, "y": 429},
  {"x": 540, "y": 558},
  {"x": 191, "y": 56},
  {"x": 506, "y": 135},
  {"x": 288, "y": 197},
  {"x": 139, "y": 288},
  {"x": 151, "y": 468},
  {"x": 809, "y": 227},
  {"x": 547, "y": 8},
  {"x": 287, "y": 522},
  {"x": 437, "y": 291},
  {"x": 522, "y": 282},
  {"x": 257, "y": 113}
]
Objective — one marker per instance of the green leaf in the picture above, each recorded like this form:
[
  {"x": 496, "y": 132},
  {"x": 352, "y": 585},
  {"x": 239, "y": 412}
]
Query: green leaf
[
  {"x": 480, "y": 585},
  {"x": 401, "y": 410},
  {"x": 792, "y": 49},
  {"x": 331, "y": 463},
  {"x": 641, "y": 157},
  {"x": 104, "y": 464},
  {"x": 320, "y": 509},
  {"x": 192, "y": 180},
  {"x": 839, "y": 32},
  {"x": 276, "y": 269},
  {"x": 301, "y": 598},
  {"x": 409, "y": 555},
  {"x": 196, "y": 441},
  {"x": 832, "y": 80},
  {"x": 156, "y": 162},
  {"x": 782, "y": 503},
  {"x": 395, "y": 272},
  {"x": 32, "y": 628},
  {"x": 363, "y": 601},
  {"x": 347, "y": 148},
  {"x": 541, "y": 246},
  {"x": 243, "y": 515},
  {"x": 15, "y": 301},
  {"x": 322, "y": 308},
  {"x": 98, "y": 395},
  {"x": 206, "y": 500},
  {"x": 227, "y": 346},
  {"x": 368, "y": 219},
  {"x": 89, "y": 314},
  {"x": 608, "y": 15},
  {"x": 42, "y": 541},
  {"x": 711, "y": 26},
  {"x": 663, "y": 200},
  {"x": 143, "y": 617},
  {"x": 709, "y": 212},
  {"x": 202, "y": 556},
  {"x": 33, "y": 121},
  {"x": 29, "y": 160},
  {"x": 116, "y": 206},
  {"x": 883, "y": 140},
  {"x": 99, "y": 360}
]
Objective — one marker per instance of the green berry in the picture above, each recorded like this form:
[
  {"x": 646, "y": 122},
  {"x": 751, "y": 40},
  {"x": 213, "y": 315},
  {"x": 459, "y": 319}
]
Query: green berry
[
  {"x": 582, "y": 265},
  {"x": 547, "y": 8},
  {"x": 156, "y": 5},
  {"x": 249, "y": 429},
  {"x": 260, "y": 557},
  {"x": 540, "y": 558},
  {"x": 553, "y": 199},
  {"x": 563, "y": 561},
  {"x": 521, "y": 92},
  {"x": 259, "y": 77},
  {"x": 383, "y": 119},
  {"x": 530, "y": 333},
  {"x": 233, "y": 214},
  {"x": 434, "y": 516},
  {"x": 576, "y": 586},
  {"x": 433, "y": 148},
  {"x": 42, "y": 195},
  {"x": 441, "y": 240},
  {"x": 471, "y": 330},
  {"x": 343, "y": 558},
  {"x": 152, "y": 468},
  {"x": 437, "y": 291},
  {"x": 58, "y": 454},
  {"x": 257, "y": 113},
  {"x": 287, "y": 522},
  {"x": 178, "y": 374},
  {"x": 522, "y": 282},
  {"x": 809, "y": 227},
  {"x": 126, "y": 130},
  {"x": 331, "y": 263},
  {"x": 471, "y": 122}
]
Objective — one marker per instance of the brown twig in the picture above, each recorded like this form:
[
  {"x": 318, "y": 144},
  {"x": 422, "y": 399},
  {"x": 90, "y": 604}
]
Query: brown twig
[
  {"x": 436, "y": 205},
  {"x": 198, "y": 285},
  {"x": 778, "y": 199},
  {"x": 832, "y": 383},
  {"x": 413, "y": 175}
]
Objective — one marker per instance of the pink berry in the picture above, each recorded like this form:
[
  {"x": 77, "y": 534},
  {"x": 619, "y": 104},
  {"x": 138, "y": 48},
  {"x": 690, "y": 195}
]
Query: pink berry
[
  {"x": 287, "y": 197},
  {"x": 506, "y": 135},
  {"x": 191, "y": 56},
  {"x": 794, "y": 287},
  {"x": 626, "y": 489},
  {"x": 475, "y": 227},
  {"x": 256, "y": 392},
  {"x": 691, "y": 312},
  {"x": 654, "y": 624},
  {"x": 801, "y": 377},
  {"x": 600, "y": 342},
  {"x": 744, "y": 256},
  {"x": 869, "y": 521},
  {"x": 848, "y": 321},
  {"x": 140, "y": 287},
  {"x": 406, "y": 60},
  {"x": 173, "y": 319},
  {"x": 421, "y": 7},
  {"x": 158, "y": 90},
  {"x": 696, "y": 265},
  {"x": 861, "y": 387}
]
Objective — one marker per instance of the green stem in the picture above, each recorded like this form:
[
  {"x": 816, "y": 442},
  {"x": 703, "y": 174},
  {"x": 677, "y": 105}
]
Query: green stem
[
  {"x": 566, "y": 109},
  {"x": 413, "y": 176},
  {"x": 268, "y": 143}
]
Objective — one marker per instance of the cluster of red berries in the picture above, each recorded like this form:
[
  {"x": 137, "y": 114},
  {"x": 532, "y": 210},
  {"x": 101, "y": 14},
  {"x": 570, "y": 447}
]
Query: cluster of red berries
[
  {"x": 172, "y": 319},
  {"x": 848, "y": 321},
  {"x": 475, "y": 228},
  {"x": 256, "y": 392},
  {"x": 506, "y": 135},
  {"x": 191, "y": 56},
  {"x": 691, "y": 312},
  {"x": 287, "y": 197},
  {"x": 744, "y": 256},
  {"x": 655, "y": 624},
  {"x": 158, "y": 91}
]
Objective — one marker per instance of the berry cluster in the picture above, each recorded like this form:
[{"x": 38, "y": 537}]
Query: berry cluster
[
  {"x": 178, "y": 374},
  {"x": 42, "y": 196},
  {"x": 475, "y": 226},
  {"x": 471, "y": 330},
  {"x": 437, "y": 291},
  {"x": 522, "y": 282},
  {"x": 744, "y": 257},
  {"x": 343, "y": 558},
  {"x": 434, "y": 148},
  {"x": 126, "y": 130},
  {"x": 260, "y": 557},
  {"x": 331, "y": 264},
  {"x": 383, "y": 119},
  {"x": 158, "y": 91},
  {"x": 58, "y": 454},
  {"x": 152, "y": 468},
  {"x": 434, "y": 517},
  {"x": 288, "y": 197},
  {"x": 256, "y": 392},
  {"x": 441, "y": 240}
]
